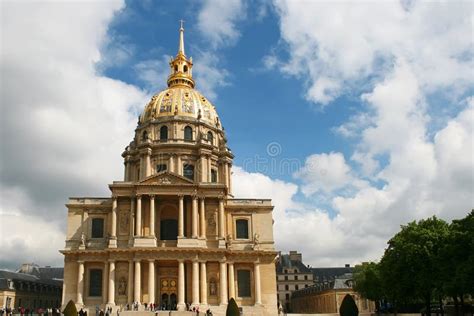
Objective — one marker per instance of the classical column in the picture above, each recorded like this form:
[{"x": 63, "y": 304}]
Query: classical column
[
  {"x": 203, "y": 167},
  {"x": 231, "y": 280},
  {"x": 152, "y": 216},
  {"x": 137, "y": 284},
  {"x": 147, "y": 166},
  {"x": 195, "y": 283},
  {"x": 151, "y": 280},
  {"x": 223, "y": 283},
  {"x": 258, "y": 296},
  {"x": 179, "y": 167},
  {"x": 130, "y": 282},
  {"x": 181, "y": 304},
  {"x": 113, "y": 229},
  {"x": 203, "y": 283},
  {"x": 111, "y": 283},
  {"x": 80, "y": 283},
  {"x": 171, "y": 164},
  {"x": 202, "y": 218},
  {"x": 105, "y": 282},
  {"x": 138, "y": 218},
  {"x": 226, "y": 173},
  {"x": 194, "y": 231},
  {"x": 221, "y": 218},
  {"x": 113, "y": 232},
  {"x": 132, "y": 216},
  {"x": 181, "y": 217},
  {"x": 209, "y": 168},
  {"x": 229, "y": 169}
]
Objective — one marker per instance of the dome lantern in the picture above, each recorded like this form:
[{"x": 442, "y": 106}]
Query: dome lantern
[{"x": 181, "y": 73}]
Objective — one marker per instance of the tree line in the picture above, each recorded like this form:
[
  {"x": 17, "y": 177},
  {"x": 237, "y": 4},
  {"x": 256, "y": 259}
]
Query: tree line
[{"x": 428, "y": 262}]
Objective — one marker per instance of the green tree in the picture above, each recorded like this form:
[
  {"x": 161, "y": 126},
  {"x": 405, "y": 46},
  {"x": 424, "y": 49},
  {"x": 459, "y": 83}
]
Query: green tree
[
  {"x": 232, "y": 308},
  {"x": 348, "y": 307},
  {"x": 410, "y": 266},
  {"x": 70, "y": 309},
  {"x": 368, "y": 282},
  {"x": 457, "y": 259}
]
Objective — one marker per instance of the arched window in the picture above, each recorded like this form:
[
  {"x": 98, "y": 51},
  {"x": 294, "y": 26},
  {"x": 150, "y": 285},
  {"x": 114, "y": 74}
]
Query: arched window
[
  {"x": 144, "y": 135},
  {"x": 188, "y": 171},
  {"x": 242, "y": 227},
  {"x": 185, "y": 68},
  {"x": 175, "y": 68},
  {"x": 210, "y": 138},
  {"x": 214, "y": 175},
  {"x": 188, "y": 133},
  {"x": 164, "y": 133}
]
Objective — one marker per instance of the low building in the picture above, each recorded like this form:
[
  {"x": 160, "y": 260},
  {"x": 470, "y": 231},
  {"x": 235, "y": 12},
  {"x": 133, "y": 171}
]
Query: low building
[
  {"x": 292, "y": 275},
  {"x": 31, "y": 287},
  {"x": 327, "y": 297}
]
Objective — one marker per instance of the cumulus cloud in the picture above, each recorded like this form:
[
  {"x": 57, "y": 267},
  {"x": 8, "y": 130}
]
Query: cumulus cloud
[
  {"x": 324, "y": 173},
  {"x": 217, "y": 21},
  {"x": 336, "y": 46},
  {"x": 63, "y": 125}
]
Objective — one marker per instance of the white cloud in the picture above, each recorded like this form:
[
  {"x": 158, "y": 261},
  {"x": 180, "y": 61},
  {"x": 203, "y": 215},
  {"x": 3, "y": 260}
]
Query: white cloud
[
  {"x": 63, "y": 125},
  {"x": 333, "y": 46},
  {"x": 324, "y": 173},
  {"x": 153, "y": 72},
  {"x": 217, "y": 21},
  {"x": 208, "y": 74}
]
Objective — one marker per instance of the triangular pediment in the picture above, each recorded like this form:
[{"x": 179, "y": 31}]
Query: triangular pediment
[{"x": 166, "y": 178}]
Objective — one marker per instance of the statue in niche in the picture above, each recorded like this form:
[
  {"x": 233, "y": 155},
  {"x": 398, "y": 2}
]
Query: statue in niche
[
  {"x": 122, "y": 286},
  {"x": 123, "y": 222},
  {"x": 211, "y": 223},
  {"x": 256, "y": 241},
  {"x": 83, "y": 239},
  {"x": 228, "y": 241},
  {"x": 212, "y": 287}
]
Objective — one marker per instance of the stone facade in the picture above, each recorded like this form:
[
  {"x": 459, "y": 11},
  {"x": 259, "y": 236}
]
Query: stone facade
[
  {"x": 326, "y": 298},
  {"x": 171, "y": 233},
  {"x": 292, "y": 275}
]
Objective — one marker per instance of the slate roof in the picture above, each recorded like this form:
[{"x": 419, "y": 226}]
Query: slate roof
[
  {"x": 24, "y": 277},
  {"x": 329, "y": 274},
  {"x": 286, "y": 263}
]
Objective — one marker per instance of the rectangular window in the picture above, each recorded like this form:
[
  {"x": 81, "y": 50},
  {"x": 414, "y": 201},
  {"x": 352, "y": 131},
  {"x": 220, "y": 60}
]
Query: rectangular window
[
  {"x": 213, "y": 175},
  {"x": 242, "y": 229},
  {"x": 161, "y": 167},
  {"x": 95, "y": 282},
  {"x": 97, "y": 228},
  {"x": 243, "y": 283}
]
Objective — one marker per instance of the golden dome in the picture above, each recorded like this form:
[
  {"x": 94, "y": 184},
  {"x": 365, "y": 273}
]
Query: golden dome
[{"x": 180, "y": 101}]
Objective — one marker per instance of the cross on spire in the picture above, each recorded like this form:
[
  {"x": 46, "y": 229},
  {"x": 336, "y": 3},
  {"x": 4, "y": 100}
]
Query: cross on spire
[{"x": 181, "y": 22}]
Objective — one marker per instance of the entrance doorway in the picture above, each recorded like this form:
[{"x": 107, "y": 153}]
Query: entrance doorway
[{"x": 168, "y": 294}]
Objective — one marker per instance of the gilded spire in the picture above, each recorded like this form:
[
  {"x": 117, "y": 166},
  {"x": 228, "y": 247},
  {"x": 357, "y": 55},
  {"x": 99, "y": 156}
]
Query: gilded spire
[
  {"x": 181, "y": 39},
  {"x": 181, "y": 67}
]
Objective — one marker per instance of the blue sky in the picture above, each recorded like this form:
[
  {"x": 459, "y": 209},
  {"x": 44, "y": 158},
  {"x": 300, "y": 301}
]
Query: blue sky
[
  {"x": 359, "y": 114},
  {"x": 257, "y": 105}
]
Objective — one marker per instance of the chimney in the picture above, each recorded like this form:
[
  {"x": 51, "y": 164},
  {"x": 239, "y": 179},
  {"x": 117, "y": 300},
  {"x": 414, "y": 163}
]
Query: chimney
[{"x": 295, "y": 256}]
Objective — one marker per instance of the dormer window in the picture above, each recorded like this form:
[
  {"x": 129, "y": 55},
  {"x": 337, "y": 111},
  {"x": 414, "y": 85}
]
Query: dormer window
[
  {"x": 185, "y": 68},
  {"x": 175, "y": 68}
]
